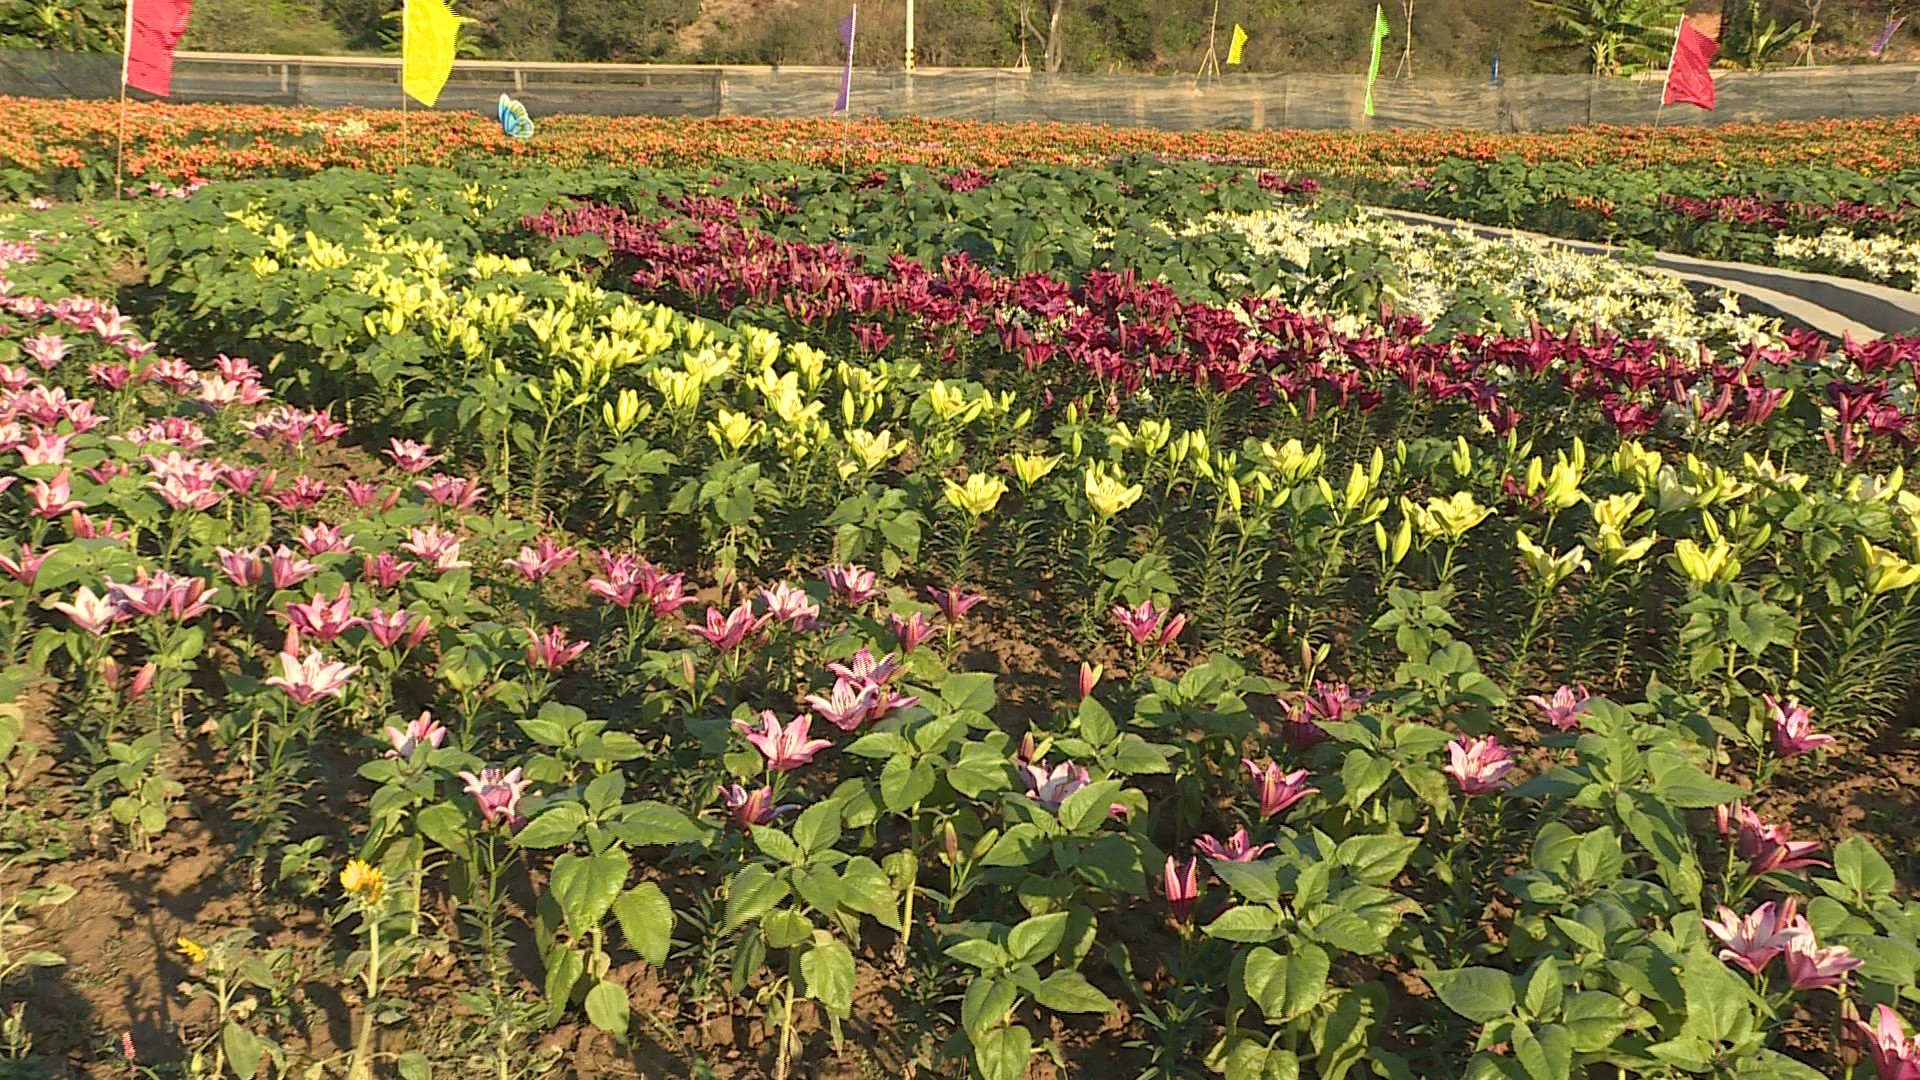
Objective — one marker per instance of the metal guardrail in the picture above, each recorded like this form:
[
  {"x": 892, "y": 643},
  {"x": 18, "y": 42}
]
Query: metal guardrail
[{"x": 1517, "y": 103}]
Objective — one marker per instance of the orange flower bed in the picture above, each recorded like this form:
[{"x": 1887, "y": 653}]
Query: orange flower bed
[{"x": 186, "y": 142}]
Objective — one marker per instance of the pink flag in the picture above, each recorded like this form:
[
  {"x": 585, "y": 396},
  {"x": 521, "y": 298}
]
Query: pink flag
[
  {"x": 846, "y": 75},
  {"x": 154, "y": 29},
  {"x": 1690, "y": 75}
]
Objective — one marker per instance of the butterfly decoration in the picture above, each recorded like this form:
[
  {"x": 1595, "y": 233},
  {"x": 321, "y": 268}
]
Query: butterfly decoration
[{"x": 514, "y": 119}]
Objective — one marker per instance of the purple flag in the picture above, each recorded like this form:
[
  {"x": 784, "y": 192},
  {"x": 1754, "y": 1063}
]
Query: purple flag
[
  {"x": 1887, "y": 36},
  {"x": 846, "y": 75}
]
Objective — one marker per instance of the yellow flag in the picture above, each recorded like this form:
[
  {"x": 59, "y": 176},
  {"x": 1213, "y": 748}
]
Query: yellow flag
[
  {"x": 1239, "y": 42},
  {"x": 428, "y": 29}
]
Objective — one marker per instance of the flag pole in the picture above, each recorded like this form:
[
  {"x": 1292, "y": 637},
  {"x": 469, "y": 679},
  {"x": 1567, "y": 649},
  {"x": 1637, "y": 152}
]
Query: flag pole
[
  {"x": 1660, "y": 157},
  {"x": 120, "y": 142},
  {"x": 406, "y": 148}
]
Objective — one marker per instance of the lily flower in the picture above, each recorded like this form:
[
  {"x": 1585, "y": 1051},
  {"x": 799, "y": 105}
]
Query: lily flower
[
  {"x": 93, "y": 614},
  {"x": 315, "y": 677},
  {"x": 848, "y": 707},
  {"x": 1564, "y": 708},
  {"x": 424, "y": 731},
  {"x": 730, "y": 631},
  {"x": 785, "y": 747},
  {"x": 1811, "y": 967},
  {"x": 498, "y": 794},
  {"x": 1182, "y": 886},
  {"x": 911, "y": 631},
  {"x": 749, "y": 808},
  {"x": 1277, "y": 790},
  {"x": 1238, "y": 848},
  {"x": 850, "y": 582},
  {"x": 550, "y": 650},
  {"x": 1793, "y": 732},
  {"x": 954, "y": 602},
  {"x": 1754, "y": 940},
  {"x": 1477, "y": 765}
]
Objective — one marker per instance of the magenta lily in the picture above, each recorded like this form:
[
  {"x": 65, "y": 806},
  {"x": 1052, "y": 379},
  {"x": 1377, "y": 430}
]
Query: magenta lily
[
  {"x": 954, "y": 602},
  {"x": 541, "y": 560},
  {"x": 749, "y": 808},
  {"x": 1812, "y": 967},
  {"x": 1766, "y": 847},
  {"x": 851, "y": 582},
  {"x": 1895, "y": 1056},
  {"x": 1563, "y": 709},
  {"x": 911, "y": 631},
  {"x": 1182, "y": 886},
  {"x": 1238, "y": 848},
  {"x": 423, "y": 731},
  {"x": 399, "y": 625},
  {"x": 1793, "y": 732},
  {"x": 731, "y": 631},
  {"x": 1477, "y": 765},
  {"x": 313, "y": 678},
  {"x": 498, "y": 794},
  {"x": 1277, "y": 790},
  {"x": 1754, "y": 940},
  {"x": 785, "y": 747},
  {"x": 25, "y": 568},
  {"x": 549, "y": 650},
  {"x": 321, "y": 618},
  {"x": 849, "y": 705}
]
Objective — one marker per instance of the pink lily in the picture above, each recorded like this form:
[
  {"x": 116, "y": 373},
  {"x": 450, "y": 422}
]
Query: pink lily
[
  {"x": 1793, "y": 732},
  {"x": 1478, "y": 764},
  {"x": 26, "y": 567},
  {"x": 785, "y": 747},
  {"x": 791, "y": 606},
  {"x": 410, "y": 456},
  {"x": 322, "y": 618},
  {"x": 535, "y": 563},
  {"x": 954, "y": 602},
  {"x": 318, "y": 540},
  {"x": 424, "y": 731},
  {"x": 1754, "y": 940},
  {"x": 1895, "y": 1056},
  {"x": 1238, "y": 848},
  {"x": 498, "y": 794},
  {"x": 315, "y": 677},
  {"x": 1277, "y": 790},
  {"x": 861, "y": 667},
  {"x": 549, "y": 650},
  {"x": 848, "y": 707},
  {"x": 163, "y": 593},
  {"x": 730, "y": 631},
  {"x": 50, "y": 500},
  {"x": 93, "y": 614},
  {"x": 290, "y": 569},
  {"x": 243, "y": 567},
  {"x": 391, "y": 628},
  {"x": 1564, "y": 708},
  {"x": 851, "y": 582},
  {"x": 304, "y": 493},
  {"x": 749, "y": 808},
  {"x": 459, "y": 493},
  {"x": 1182, "y": 886},
  {"x": 437, "y": 548},
  {"x": 1811, "y": 967},
  {"x": 384, "y": 570}
]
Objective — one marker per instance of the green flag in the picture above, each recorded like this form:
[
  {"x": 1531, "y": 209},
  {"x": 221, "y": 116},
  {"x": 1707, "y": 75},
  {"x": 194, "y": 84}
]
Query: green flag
[{"x": 1379, "y": 37}]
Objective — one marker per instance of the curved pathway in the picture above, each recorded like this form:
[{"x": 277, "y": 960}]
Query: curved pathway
[{"x": 1832, "y": 305}]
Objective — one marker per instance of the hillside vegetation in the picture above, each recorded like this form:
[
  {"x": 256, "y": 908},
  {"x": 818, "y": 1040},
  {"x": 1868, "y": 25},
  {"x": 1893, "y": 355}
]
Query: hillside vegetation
[{"x": 1450, "y": 37}]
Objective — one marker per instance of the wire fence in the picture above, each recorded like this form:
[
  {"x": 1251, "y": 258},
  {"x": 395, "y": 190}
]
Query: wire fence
[{"x": 1239, "y": 100}]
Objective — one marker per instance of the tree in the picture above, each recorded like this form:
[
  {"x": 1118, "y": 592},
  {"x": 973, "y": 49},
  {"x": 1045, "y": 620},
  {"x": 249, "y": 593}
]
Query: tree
[
  {"x": 1616, "y": 34},
  {"x": 1050, "y": 62}
]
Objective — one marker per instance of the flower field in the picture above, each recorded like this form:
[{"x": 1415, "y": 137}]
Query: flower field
[{"x": 955, "y": 618}]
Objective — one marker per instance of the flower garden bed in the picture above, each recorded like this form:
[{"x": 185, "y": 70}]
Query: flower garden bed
[{"x": 783, "y": 622}]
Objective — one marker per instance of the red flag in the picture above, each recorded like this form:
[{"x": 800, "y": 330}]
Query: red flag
[
  {"x": 154, "y": 29},
  {"x": 1689, "y": 74}
]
